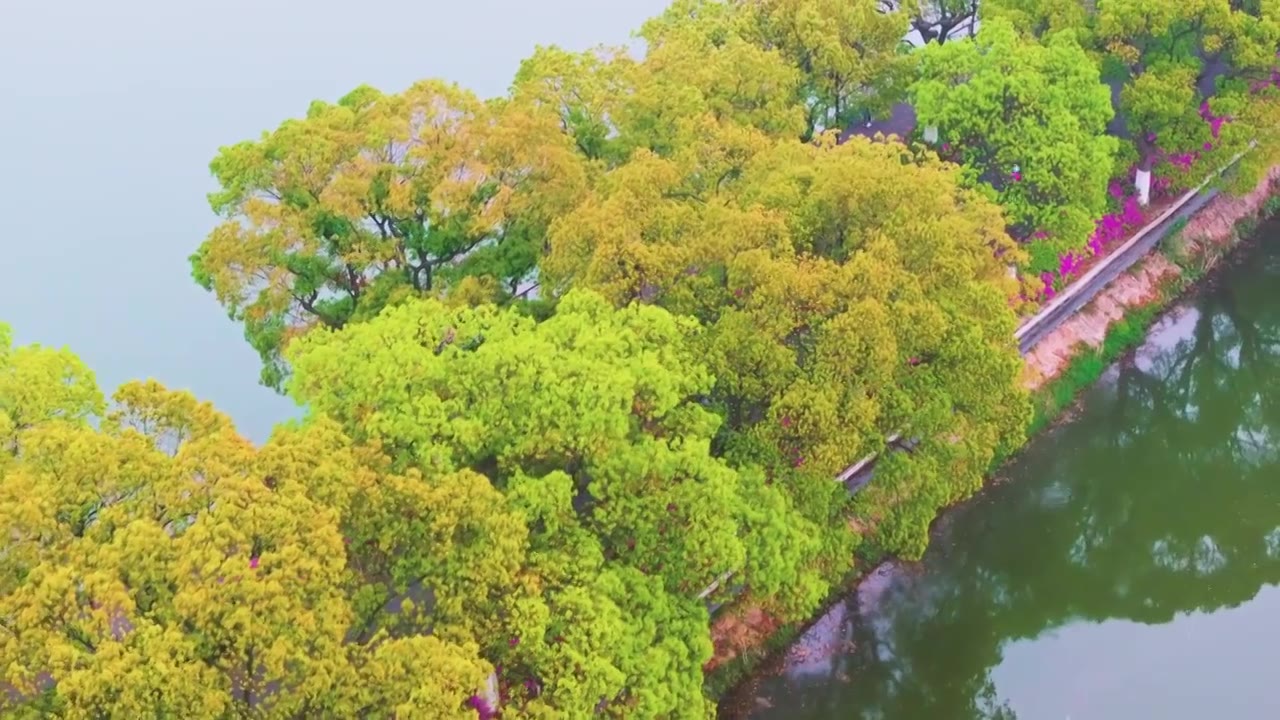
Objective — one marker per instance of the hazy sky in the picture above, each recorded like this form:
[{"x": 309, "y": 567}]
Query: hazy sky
[{"x": 111, "y": 112}]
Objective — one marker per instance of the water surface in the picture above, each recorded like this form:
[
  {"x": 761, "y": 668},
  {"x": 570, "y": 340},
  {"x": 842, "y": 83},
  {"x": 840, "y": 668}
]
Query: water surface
[{"x": 1125, "y": 567}]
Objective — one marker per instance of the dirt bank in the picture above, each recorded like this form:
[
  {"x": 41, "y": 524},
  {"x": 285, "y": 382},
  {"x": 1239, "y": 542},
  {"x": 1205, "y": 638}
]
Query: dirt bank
[{"x": 1210, "y": 230}]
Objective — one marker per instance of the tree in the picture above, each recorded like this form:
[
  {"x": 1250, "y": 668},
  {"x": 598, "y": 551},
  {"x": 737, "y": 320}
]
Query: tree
[
  {"x": 847, "y": 52},
  {"x": 698, "y": 69},
  {"x": 700, "y": 62},
  {"x": 1170, "y": 59},
  {"x": 1205, "y": 51},
  {"x": 161, "y": 565},
  {"x": 588, "y": 422},
  {"x": 39, "y": 384},
  {"x": 585, "y": 93},
  {"x": 840, "y": 288},
  {"x": 1041, "y": 18},
  {"x": 332, "y": 217},
  {"x": 1029, "y": 121},
  {"x": 935, "y": 20}
]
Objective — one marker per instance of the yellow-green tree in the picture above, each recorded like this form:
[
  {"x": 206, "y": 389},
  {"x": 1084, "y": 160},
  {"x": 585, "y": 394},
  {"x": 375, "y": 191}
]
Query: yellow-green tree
[
  {"x": 849, "y": 293},
  {"x": 849, "y": 52},
  {"x": 159, "y": 565},
  {"x": 333, "y": 216}
]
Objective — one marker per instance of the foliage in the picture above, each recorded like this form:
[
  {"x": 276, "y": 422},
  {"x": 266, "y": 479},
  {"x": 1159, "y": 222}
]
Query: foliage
[
  {"x": 1178, "y": 55},
  {"x": 331, "y": 217},
  {"x": 847, "y": 52},
  {"x": 160, "y": 565},
  {"x": 572, "y": 353},
  {"x": 587, "y": 422},
  {"x": 841, "y": 287},
  {"x": 1040, "y": 18},
  {"x": 935, "y": 20},
  {"x": 1029, "y": 120}
]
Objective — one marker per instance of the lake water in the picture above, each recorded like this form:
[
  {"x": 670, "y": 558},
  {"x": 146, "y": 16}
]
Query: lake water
[{"x": 1124, "y": 567}]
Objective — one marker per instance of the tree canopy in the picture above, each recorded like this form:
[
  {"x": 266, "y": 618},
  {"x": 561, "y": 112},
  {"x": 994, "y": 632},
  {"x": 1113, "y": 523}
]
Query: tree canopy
[
  {"x": 1029, "y": 121},
  {"x": 160, "y": 565},
  {"x": 331, "y": 217}
]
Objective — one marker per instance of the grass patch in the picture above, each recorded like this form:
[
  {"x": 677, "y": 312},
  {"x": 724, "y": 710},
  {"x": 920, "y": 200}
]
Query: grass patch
[{"x": 1089, "y": 364}]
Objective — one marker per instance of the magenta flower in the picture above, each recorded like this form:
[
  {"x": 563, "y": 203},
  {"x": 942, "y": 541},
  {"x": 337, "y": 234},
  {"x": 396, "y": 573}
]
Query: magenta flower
[
  {"x": 1115, "y": 189},
  {"x": 1068, "y": 264},
  {"x": 513, "y": 642},
  {"x": 483, "y": 710},
  {"x": 253, "y": 563},
  {"x": 1016, "y": 175},
  {"x": 1133, "y": 215},
  {"x": 785, "y": 421}
]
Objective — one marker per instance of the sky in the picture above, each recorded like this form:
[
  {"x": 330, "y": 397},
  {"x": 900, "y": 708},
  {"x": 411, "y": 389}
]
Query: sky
[{"x": 111, "y": 112}]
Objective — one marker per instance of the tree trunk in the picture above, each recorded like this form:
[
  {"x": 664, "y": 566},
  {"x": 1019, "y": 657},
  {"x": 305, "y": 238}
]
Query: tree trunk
[
  {"x": 1142, "y": 180},
  {"x": 1142, "y": 184}
]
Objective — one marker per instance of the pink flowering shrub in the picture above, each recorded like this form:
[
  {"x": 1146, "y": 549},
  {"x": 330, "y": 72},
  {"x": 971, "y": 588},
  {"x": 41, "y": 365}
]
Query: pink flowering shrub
[
  {"x": 484, "y": 711},
  {"x": 1128, "y": 215}
]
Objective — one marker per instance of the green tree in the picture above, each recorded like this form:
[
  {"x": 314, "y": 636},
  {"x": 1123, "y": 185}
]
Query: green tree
[
  {"x": 839, "y": 287},
  {"x": 1180, "y": 57},
  {"x": 589, "y": 422},
  {"x": 1169, "y": 58},
  {"x": 1041, "y": 18},
  {"x": 849, "y": 53},
  {"x": 1029, "y": 121},
  {"x": 331, "y": 217},
  {"x": 585, "y": 93},
  {"x": 935, "y": 20}
]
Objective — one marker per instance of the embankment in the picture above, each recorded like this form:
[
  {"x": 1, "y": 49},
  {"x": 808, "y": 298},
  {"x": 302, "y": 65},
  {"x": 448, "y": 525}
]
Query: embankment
[{"x": 1063, "y": 361}]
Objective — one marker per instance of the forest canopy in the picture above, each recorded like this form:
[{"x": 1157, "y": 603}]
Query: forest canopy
[{"x": 580, "y": 363}]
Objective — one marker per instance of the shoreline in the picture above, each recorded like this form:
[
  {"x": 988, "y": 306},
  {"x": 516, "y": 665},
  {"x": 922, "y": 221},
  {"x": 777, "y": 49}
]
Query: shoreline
[{"x": 1112, "y": 323}]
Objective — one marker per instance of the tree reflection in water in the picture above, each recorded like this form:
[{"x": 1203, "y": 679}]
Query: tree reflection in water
[{"x": 1161, "y": 498}]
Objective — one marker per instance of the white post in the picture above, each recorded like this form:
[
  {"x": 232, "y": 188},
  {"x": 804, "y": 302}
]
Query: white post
[
  {"x": 931, "y": 134},
  {"x": 1013, "y": 272},
  {"x": 490, "y": 692},
  {"x": 1142, "y": 183}
]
